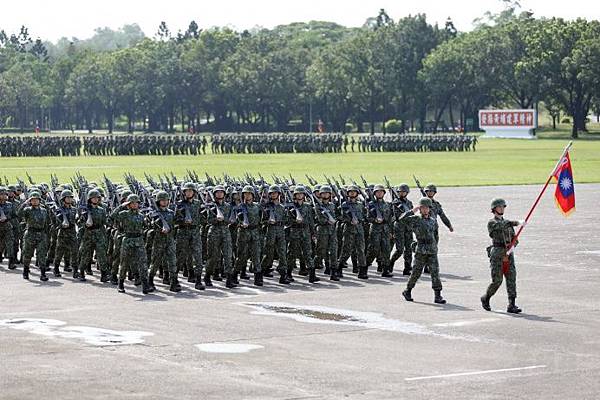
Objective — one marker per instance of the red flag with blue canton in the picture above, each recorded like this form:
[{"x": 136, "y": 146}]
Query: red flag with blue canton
[{"x": 565, "y": 187}]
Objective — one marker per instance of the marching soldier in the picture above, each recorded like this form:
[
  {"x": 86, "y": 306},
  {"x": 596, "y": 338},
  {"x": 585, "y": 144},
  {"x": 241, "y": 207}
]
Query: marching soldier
[
  {"x": 353, "y": 236},
  {"x": 327, "y": 245},
  {"x": 37, "y": 224},
  {"x": 249, "y": 239},
  {"x": 302, "y": 228},
  {"x": 219, "y": 239},
  {"x": 93, "y": 239},
  {"x": 425, "y": 227},
  {"x": 66, "y": 236},
  {"x": 274, "y": 220},
  {"x": 8, "y": 214},
  {"x": 502, "y": 232},
  {"x": 380, "y": 216},
  {"x": 402, "y": 234},
  {"x": 163, "y": 243},
  {"x": 189, "y": 219}
]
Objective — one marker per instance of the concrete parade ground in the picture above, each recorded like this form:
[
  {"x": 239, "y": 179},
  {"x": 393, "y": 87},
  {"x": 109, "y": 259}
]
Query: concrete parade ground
[{"x": 353, "y": 339}]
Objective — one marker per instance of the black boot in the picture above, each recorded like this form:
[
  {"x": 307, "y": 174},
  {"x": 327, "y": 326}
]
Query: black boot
[
  {"x": 26, "y": 272},
  {"x": 334, "y": 275},
  {"x": 166, "y": 278},
  {"x": 146, "y": 287},
  {"x": 340, "y": 271},
  {"x": 406, "y": 271},
  {"x": 355, "y": 269},
  {"x": 362, "y": 274},
  {"x": 12, "y": 264},
  {"x": 386, "y": 273},
  {"x": 512, "y": 307},
  {"x": 312, "y": 277},
  {"x": 289, "y": 276},
  {"x": 426, "y": 270},
  {"x": 283, "y": 279},
  {"x": 244, "y": 275},
  {"x": 137, "y": 281},
  {"x": 67, "y": 268},
  {"x": 151, "y": 283},
  {"x": 191, "y": 276},
  {"x": 217, "y": 276},
  {"x": 113, "y": 279},
  {"x": 82, "y": 274},
  {"x": 43, "y": 276},
  {"x": 407, "y": 295},
  {"x": 485, "y": 303},
  {"x": 121, "y": 287},
  {"x": 207, "y": 280},
  {"x": 176, "y": 287},
  {"x": 75, "y": 273},
  {"x": 229, "y": 282},
  {"x": 438, "y": 297},
  {"x": 303, "y": 271},
  {"x": 268, "y": 273},
  {"x": 104, "y": 276},
  {"x": 258, "y": 279},
  {"x": 57, "y": 272}
]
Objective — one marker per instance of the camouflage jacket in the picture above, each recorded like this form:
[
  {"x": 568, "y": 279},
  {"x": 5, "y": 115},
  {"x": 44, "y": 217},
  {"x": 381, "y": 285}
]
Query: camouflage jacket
[
  {"x": 425, "y": 231},
  {"x": 132, "y": 222},
  {"x": 189, "y": 213},
  {"x": 353, "y": 213},
  {"x": 437, "y": 210},
  {"x": 380, "y": 214},
  {"x": 501, "y": 231},
  {"x": 35, "y": 218},
  {"x": 248, "y": 214},
  {"x": 273, "y": 215},
  {"x": 10, "y": 215},
  {"x": 156, "y": 223},
  {"x": 217, "y": 210}
]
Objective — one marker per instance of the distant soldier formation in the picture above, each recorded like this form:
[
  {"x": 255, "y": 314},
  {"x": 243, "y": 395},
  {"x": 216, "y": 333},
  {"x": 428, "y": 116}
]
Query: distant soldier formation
[
  {"x": 243, "y": 143},
  {"x": 228, "y": 229}
]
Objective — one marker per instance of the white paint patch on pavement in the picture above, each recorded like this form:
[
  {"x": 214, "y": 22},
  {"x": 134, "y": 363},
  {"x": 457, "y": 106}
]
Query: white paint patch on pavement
[
  {"x": 490, "y": 371},
  {"x": 467, "y": 322},
  {"x": 594, "y": 252},
  {"x": 90, "y": 335},
  {"x": 228, "y": 348},
  {"x": 337, "y": 316}
]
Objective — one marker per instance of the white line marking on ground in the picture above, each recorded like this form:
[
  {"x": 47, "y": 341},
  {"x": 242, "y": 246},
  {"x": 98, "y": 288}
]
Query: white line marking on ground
[{"x": 491, "y": 371}]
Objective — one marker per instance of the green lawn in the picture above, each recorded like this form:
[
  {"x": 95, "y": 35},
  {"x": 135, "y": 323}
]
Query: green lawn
[{"x": 496, "y": 162}]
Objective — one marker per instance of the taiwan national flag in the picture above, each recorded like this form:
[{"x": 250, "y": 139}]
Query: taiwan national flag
[{"x": 565, "y": 187}]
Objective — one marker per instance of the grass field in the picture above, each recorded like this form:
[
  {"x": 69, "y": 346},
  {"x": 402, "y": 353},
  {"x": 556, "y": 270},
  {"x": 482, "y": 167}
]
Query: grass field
[{"x": 496, "y": 162}]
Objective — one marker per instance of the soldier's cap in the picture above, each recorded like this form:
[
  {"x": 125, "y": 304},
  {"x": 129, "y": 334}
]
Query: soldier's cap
[
  {"x": 35, "y": 195},
  {"x": 378, "y": 188},
  {"x": 66, "y": 193},
  {"x": 248, "y": 189},
  {"x": 274, "y": 189},
  {"x": 498, "y": 202},
  {"x": 404, "y": 188},
  {"x": 162, "y": 195},
  {"x": 133, "y": 198},
  {"x": 431, "y": 188},
  {"x": 218, "y": 188},
  {"x": 425, "y": 202},
  {"x": 12, "y": 188},
  {"x": 189, "y": 186},
  {"x": 326, "y": 189},
  {"x": 93, "y": 193},
  {"x": 299, "y": 190},
  {"x": 3, "y": 190},
  {"x": 352, "y": 188},
  {"x": 317, "y": 188}
]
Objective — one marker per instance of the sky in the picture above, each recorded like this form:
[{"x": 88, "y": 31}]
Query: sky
[{"x": 53, "y": 19}]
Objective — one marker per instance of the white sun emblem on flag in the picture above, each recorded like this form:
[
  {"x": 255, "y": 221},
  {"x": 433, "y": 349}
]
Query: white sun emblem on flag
[{"x": 565, "y": 183}]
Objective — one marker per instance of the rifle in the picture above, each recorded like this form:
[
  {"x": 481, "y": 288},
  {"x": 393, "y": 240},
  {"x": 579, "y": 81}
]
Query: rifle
[
  {"x": 419, "y": 186},
  {"x": 395, "y": 196}
]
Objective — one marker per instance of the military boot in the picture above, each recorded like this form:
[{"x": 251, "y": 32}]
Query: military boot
[
  {"x": 229, "y": 284},
  {"x": 386, "y": 273},
  {"x": 26, "y": 272},
  {"x": 258, "y": 279},
  {"x": 268, "y": 273},
  {"x": 283, "y": 279},
  {"x": 207, "y": 280},
  {"x": 512, "y": 307},
  {"x": 43, "y": 276},
  {"x": 104, "y": 276},
  {"x": 340, "y": 271},
  {"x": 191, "y": 276},
  {"x": 362, "y": 274},
  {"x": 438, "y": 297},
  {"x": 485, "y": 303},
  {"x": 312, "y": 277},
  {"x": 407, "y": 295},
  {"x": 81, "y": 274},
  {"x": 151, "y": 283},
  {"x": 57, "y": 272},
  {"x": 166, "y": 278},
  {"x": 176, "y": 287},
  {"x": 12, "y": 263},
  {"x": 334, "y": 275},
  {"x": 113, "y": 279},
  {"x": 121, "y": 287}
]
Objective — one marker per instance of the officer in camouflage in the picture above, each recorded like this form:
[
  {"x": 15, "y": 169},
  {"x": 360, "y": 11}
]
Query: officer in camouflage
[
  {"x": 425, "y": 227},
  {"x": 502, "y": 232}
]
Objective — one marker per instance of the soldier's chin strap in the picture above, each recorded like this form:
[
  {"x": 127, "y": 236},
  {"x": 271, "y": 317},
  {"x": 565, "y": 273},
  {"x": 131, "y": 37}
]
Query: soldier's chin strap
[{"x": 511, "y": 247}]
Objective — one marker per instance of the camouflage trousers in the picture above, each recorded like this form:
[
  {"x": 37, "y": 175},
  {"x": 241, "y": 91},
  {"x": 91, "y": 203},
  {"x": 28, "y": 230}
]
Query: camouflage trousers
[
  {"x": 249, "y": 242},
  {"x": 67, "y": 248},
  {"x": 300, "y": 246},
  {"x": 53, "y": 238},
  {"x": 327, "y": 245},
  {"x": 275, "y": 244},
  {"x": 37, "y": 242},
  {"x": 403, "y": 241},
  {"x": 7, "y": 242},
  {"x": 94, "y": 240},
  {"x": 189, "y": 249},
  {"x": 116, "y": 254},
  {"x": 380, "y": 245},
  {"x": 353, "y": 240},
  {"x": 421, "y": 261},
  {"x": 163, "y": 255},
  {"x": 496, "y": 270},
  {"x": 219, "y": 248},
  {"x": 133, "y": 257}
]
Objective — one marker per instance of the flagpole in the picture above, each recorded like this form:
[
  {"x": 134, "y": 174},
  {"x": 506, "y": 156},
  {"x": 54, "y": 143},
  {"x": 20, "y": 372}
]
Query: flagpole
[{"x": 535, "y": 203}]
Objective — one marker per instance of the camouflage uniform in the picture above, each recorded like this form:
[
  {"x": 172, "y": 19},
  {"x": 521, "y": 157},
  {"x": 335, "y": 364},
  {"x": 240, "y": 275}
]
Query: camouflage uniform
[
  {"x": 93, "y": 239},
  {"x": 249, "y": 237},
  {"x": 402, "y": 234},
  {"x": 302, "y": 227},
  {"x": 66, "y": 235},
  {"x": 189, "y": 219},
  {"x": 327, "y": 215},
  {"x": 502, "y": 232},
  {"x": 274, "y": 219},
  {"x": 37, "y": 224},
  {"x": 8, "y": 214},
  {"x": 425, "y": 229},
  {"x": 381, "y": 217},
  {"x": 219, "y": 240},
  {"x": 163, "y": 243},
  {"x": 353, "y": 237}
]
